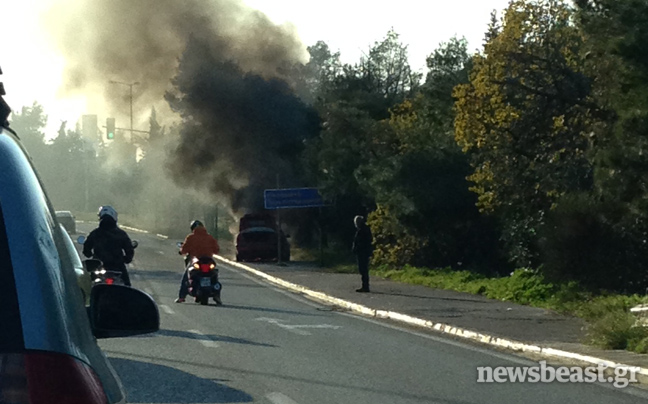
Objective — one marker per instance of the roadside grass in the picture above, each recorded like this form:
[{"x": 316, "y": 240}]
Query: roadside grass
[{"x": 333, "y": 258}]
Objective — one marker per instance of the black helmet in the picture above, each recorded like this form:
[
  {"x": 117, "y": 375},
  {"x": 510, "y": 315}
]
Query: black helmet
[{"x": 195, "y": 224}]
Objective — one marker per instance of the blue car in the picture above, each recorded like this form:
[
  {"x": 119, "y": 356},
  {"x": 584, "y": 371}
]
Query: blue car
[{"x": 48, "y": 348}]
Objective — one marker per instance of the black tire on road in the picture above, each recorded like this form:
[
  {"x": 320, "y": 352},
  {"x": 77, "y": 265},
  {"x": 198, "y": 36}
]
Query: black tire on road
[{"x": 204, "y": 300}]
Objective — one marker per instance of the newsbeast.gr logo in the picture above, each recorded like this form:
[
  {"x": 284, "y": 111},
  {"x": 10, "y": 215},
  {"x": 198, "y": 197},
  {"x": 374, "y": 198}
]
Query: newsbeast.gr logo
[{"x": 548, "y": 374}]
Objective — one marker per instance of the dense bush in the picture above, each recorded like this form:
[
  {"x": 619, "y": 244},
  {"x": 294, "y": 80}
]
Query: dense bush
[{"x": 594, "y": 243}]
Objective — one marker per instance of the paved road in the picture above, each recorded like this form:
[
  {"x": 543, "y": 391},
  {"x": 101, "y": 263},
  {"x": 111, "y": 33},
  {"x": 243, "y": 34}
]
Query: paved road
[{"x": 268, "y": 346}]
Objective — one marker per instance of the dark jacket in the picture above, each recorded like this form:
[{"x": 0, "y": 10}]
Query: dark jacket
[
  {"x": 363, "y": 241},
  {"x": 110, "y": 244}
]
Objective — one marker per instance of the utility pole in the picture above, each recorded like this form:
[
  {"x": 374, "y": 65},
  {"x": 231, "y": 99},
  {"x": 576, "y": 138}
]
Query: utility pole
[{"x": 130, "y": 85}]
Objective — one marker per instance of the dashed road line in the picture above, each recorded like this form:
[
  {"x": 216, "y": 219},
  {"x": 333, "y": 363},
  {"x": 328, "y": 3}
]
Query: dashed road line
[
  {"x": 166, "y": 309},
  {"x": 203, "y": 339},
  {"x": 278, "y": 398}
]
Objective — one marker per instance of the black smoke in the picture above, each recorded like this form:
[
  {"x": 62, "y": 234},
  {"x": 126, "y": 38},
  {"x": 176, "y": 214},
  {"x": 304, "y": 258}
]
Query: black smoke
[
  {"x": 241, "y": 132},
  {"x": 217, "y": 64}
]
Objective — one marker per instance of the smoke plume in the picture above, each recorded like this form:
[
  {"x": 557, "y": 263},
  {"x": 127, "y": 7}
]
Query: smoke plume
[{"x": 217, "y": 64}]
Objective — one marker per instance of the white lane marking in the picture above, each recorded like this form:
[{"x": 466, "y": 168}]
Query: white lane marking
[
  {"x": 297, "y": 327},
  {"x": 203, "y": 339},
  {"x": 284, "y": 326},
  {"x": 161, "y": 252},
  {"x": 167, "y": 309},
  {"x": 162, "y": 236},
  {"x": 278, "y": 398}
]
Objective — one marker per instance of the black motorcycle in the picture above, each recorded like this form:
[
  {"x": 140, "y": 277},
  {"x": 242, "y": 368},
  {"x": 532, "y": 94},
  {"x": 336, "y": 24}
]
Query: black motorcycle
[{"x": 98, "y": 272}]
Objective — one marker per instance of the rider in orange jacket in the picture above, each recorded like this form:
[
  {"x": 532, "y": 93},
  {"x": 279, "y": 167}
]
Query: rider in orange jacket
[{"x": 197, "y": 244}]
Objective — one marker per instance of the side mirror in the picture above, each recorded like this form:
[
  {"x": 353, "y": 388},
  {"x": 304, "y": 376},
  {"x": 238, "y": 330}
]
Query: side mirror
[
  {"x": 81, "y": 239},
  {"x": 122, "y": 311},
  {"x": 134, "y": 243}
]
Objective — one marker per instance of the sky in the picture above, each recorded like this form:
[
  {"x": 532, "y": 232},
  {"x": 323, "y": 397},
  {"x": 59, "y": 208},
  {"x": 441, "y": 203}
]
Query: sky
[{"x": 33, "y": 68}]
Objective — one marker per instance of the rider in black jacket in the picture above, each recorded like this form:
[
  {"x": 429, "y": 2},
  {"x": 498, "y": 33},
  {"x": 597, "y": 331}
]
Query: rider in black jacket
[{"x": 110, "y": 244}]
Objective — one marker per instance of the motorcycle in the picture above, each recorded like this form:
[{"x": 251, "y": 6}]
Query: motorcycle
[
  {"x": 203, "y": 279},
  {"x": 100, "y": 274}
]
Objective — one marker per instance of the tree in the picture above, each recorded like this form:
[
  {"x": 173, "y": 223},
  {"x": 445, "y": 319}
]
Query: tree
[
  {"x": 427, "y": 215},
  {"x": 524, "y": 119},
  {"x": 382, "y": 79},
  {"x": 354, "y": 103},
  {"x": 30, "y": 123}
]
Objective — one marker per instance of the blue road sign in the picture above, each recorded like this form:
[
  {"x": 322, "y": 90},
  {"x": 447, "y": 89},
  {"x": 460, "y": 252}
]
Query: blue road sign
[{"x": 292, "y": 198}]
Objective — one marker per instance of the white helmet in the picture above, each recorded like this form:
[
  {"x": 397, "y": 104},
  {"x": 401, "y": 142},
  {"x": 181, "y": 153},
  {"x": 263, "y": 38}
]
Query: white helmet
[{"x": 107, "y": 210}]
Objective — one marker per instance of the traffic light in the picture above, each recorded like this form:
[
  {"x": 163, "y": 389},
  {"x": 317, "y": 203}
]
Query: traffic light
[{"x": 110, "y": 128}]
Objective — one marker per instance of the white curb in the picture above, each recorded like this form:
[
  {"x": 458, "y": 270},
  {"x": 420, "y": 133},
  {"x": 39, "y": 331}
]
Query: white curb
[{"x": 444, "y": 328}]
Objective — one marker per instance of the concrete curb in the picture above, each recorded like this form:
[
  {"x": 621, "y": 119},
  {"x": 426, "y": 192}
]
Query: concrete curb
[{"x": 440, "y": 327}]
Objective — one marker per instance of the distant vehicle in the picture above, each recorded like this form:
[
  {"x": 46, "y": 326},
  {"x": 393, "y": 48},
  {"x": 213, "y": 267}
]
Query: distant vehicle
[
  {"x": 257, "y": 239},
  {"x": 66, "y": 218},
  {"x": 48, "y": 350}
]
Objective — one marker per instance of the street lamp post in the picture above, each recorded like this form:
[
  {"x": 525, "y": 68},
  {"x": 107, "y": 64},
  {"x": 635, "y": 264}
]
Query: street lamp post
[{"x": 130, "y": 85}]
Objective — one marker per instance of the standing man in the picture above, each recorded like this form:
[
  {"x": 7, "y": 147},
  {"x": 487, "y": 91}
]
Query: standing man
[{"x": 363, "y": 249}]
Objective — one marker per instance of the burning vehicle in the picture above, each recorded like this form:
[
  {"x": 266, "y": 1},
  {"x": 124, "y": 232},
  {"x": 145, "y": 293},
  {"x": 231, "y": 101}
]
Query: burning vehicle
[{"x": 257, "y": 239}]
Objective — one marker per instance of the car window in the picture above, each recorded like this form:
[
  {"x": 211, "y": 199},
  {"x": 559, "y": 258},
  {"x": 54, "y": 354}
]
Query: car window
[{"x": 70, "y": 249}]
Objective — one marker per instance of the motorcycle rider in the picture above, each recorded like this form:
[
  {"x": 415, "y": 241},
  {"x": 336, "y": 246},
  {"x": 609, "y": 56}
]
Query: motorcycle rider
[
  {"x": 197, "y": 244},
  {"x": 110, "y": 244}
]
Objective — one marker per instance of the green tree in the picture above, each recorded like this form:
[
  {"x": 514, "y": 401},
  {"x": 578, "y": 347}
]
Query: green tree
[
  {"x": 354, "y": 103},
  {"x": 30, "y": 124},
  {"x": 524, "y": 118},
  {"x": 427, "y": 214}
]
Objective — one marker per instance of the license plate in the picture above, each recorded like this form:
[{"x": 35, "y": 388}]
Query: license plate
[{"x": 205, "y": 281}]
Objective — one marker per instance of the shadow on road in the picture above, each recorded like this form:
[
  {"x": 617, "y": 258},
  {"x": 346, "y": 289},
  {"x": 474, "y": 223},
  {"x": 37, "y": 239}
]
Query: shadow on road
[
  {"x": 267, "y": 310},
  {"x": 149, "y": 383},
  {"x": 212, "y": 337}
]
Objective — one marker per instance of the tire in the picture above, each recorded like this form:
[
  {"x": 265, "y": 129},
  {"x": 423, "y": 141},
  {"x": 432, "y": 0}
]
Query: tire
[{"x": 204, "y": 300}]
